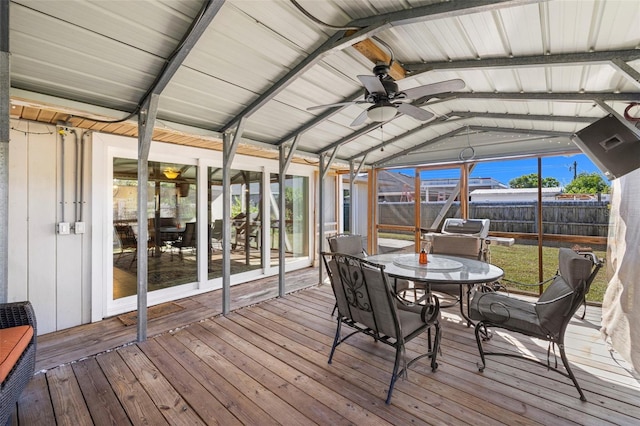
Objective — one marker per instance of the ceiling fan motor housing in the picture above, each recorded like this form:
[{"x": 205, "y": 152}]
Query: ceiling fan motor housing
[{"x": 390, "y": 87}]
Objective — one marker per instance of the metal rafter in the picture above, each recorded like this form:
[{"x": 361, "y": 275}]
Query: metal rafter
[
  {"x": 627, "y": 70},
  {"x": 372, "y": 26},
  {"x": 419, "y": 146},
  {"x": 550, "y": 133},
  {"x": 526, "y": 61},
  {"x": 198, "y": 28},
  {"x": 532, "y": 117},
  {"x": 559, "y": 96},
  {"x": 393, "y": 140},
  {"x": 330, "y": 112},
  {"x": 438, "y": 11}
]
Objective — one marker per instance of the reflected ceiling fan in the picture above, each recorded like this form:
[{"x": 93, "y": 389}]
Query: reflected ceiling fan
[{"x": 382, "y": 91}]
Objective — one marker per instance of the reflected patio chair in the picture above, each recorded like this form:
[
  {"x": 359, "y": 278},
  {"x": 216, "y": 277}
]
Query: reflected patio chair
[
  {"x": 125, "y": 240},
  {"x": 246, "y": 232},
  {"x": 215, "y": 236},
  {"x": 366, "y": 302},
  {"x": 546, "y": 319},
  {"x": 187, "y": 241}
]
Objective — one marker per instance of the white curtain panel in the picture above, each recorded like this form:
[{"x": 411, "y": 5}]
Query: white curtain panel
[{"x": 621, "y": 304}]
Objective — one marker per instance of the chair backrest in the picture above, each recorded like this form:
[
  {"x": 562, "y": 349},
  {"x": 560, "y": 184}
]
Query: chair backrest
[
  {"x": 561, "y": 299},
  {"x": 346, "y": 244},
  {"x": 189, "y": 235},
  {"x": 126, "y": 236},
  {"x": 362, "y": 293},
  {"x": 458, "y": 245},
  {"x": 216, "y": 230}
]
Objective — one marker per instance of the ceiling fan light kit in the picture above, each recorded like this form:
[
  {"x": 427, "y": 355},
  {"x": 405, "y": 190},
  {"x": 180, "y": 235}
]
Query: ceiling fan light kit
[
  {"x": 171, "y": 173},
  {"x": 381, "y": 113}
]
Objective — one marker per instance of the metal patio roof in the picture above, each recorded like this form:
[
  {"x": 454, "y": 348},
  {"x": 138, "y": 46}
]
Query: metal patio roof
[{"x": 535, "y": 71}]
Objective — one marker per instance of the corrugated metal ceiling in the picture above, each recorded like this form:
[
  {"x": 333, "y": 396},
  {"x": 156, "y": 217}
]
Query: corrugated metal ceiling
[{"x": 108, "y": 54}]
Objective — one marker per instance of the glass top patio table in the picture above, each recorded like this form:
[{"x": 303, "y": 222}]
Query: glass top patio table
[{"x": 440, "y": 269}]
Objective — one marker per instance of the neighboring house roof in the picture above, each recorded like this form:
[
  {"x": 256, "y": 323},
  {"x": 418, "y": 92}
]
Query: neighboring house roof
[{"x": 553, "y": 190}]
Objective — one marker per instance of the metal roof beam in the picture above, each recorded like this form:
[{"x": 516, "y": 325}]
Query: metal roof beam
[
  {"x": 331, "y": 44},
  {"x": 499, "y": 116},
  {"x": 366, "y": 129},
  {"x": 439, "y": 120},
  {"x": 527, "y": 61},
  {"x": 319, "y": 119},
  {"x": 371, "y": 26},
  {"x": 437, "y": 11},
  {"x": 419, "y": 146},
  {"x": 550, "y": 133},
  {"x": 627, "y": 70},
  {"x": 198, "y": 27},
  {"x": 543, "y": 96}
]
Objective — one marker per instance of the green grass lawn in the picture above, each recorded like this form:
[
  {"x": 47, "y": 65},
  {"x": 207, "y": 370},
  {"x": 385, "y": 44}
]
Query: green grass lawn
[{"x": 520, "y": 263}]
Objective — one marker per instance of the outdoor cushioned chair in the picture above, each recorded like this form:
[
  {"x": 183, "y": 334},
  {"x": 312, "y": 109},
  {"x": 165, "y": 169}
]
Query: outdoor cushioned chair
[
  {"x": 367, "y": 304},
  {"x": 470, "y": 247},
  {"x": 546, "y": 319},
  {"x": 17, "y": 353},
  {"x": 347, "y": 244},
  {"x": 352, "y": 244}
]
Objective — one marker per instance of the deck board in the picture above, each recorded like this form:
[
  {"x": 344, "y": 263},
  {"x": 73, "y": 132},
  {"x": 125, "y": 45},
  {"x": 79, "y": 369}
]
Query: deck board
[{"x": 266, "y": 363}]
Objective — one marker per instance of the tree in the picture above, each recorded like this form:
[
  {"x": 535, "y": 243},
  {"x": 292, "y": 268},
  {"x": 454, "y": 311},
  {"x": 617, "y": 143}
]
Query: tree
[
  {"x": 531, "y": 181},
  {"x": 587, "y": 183}
]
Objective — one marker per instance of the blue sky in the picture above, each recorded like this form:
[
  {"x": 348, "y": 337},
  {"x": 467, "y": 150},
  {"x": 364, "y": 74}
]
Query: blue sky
[{"x": 560, "y": 168}]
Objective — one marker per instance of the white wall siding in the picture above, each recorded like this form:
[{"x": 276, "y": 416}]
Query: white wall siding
[{"x": 50, "y": 270}]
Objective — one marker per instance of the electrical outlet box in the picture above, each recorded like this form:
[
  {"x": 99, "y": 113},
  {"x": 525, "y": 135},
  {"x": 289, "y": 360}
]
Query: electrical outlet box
[
  {"x": 64, "y": 228},
  {"x": 80, "y": 227}
]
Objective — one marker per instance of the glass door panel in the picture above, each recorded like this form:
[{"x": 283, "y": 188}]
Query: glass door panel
[{"x": 171, "y": 208}]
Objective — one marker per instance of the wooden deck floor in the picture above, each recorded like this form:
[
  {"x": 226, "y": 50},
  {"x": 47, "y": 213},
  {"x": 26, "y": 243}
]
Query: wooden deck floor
[{"x": 266, "y": 363}]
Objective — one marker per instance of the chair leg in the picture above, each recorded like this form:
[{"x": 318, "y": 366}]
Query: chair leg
[
  {"x": 436, "y": 346},
  {"x": 565, "y": 361},
  {"x": 480, "y": 326},
  {"x": 336, "y": 340},
  {"x": 394, "y": 374}
]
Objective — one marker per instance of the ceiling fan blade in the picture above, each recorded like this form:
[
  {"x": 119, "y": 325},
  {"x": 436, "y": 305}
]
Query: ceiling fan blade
[
  {"x": 372, "y": 84},
  {"x": 435, "y": 88},
  {"x": 360, "y": 119},
  {"x": 332, "y": 105},
  {"x": 415, "y": 112}
]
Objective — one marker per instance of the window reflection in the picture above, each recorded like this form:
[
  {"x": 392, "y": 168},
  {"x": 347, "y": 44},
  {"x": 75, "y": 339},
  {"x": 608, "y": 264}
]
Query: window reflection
[
  {"x": 171, "y": 208},
  {"x": 296, "y": 216},
  {"x": 246, "y": 223}
]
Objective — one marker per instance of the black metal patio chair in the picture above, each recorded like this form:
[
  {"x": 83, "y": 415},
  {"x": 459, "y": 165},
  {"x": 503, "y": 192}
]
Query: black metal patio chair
[
  {"x": 546, "y": 319},
  {"x": 367, "y": 303}
]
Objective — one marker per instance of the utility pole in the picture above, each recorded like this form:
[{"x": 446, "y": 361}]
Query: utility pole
[{"x": 574, "y": 167}]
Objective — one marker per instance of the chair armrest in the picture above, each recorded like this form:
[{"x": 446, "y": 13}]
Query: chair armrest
[
  {"x": 547, "y": 302},
  {"x": 429, "y": 312},
  {"x": 518, "y": 283},
  {"x": 17, "y": 313}
]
